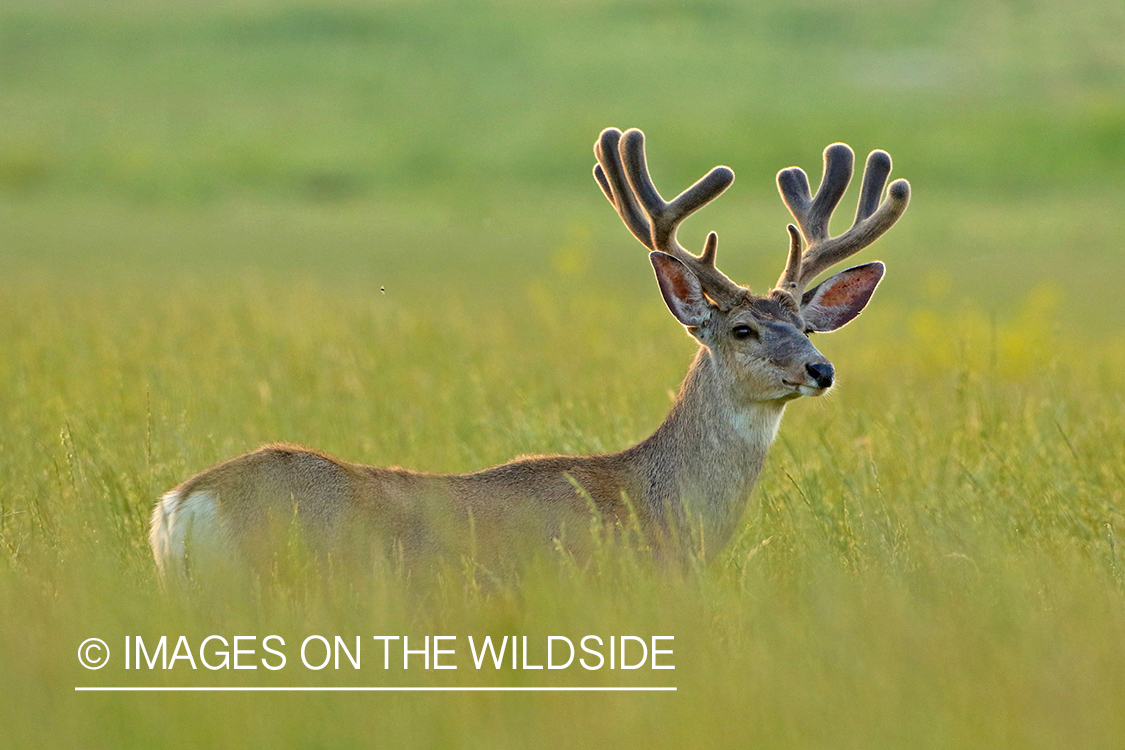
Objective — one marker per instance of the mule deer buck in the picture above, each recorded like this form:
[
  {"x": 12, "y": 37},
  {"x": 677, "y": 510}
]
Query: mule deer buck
[{"x": 693, "y": 474}]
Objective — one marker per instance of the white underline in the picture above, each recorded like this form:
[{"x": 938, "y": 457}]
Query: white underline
[{"x": 370, "y": 689}]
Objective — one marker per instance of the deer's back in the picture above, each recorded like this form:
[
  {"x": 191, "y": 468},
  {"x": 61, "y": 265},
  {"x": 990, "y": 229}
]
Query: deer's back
[{"x": 338, "y": 505}]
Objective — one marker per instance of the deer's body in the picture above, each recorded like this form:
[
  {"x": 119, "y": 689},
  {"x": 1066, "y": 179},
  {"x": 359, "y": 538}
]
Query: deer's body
[
  {"x": 703, "y": 461},
  {"x": 693, "y": 474}
]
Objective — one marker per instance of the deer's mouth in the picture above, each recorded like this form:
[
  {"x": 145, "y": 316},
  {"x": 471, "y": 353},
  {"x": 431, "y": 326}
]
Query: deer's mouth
[{"x": 804, "y": 389}]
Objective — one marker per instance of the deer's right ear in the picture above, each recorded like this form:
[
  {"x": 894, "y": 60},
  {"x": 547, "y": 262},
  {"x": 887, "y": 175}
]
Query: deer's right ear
[{"x": 681, "y": 289}]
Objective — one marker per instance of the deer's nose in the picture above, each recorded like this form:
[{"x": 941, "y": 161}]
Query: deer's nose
[{"x": 822, "y": 373}]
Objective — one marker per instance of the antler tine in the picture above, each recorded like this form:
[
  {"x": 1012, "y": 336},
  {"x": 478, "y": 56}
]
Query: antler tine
[
  {"x": 875, "y": 174},
  {"x": 791, "y": 276},
  {"x": 838, "y": 163},
  {"x": 872, "y": 218},
  {"x": 812, "y": 215},
  {"x": 611, "y": 178},
  {"x": 665, "y": 217}
]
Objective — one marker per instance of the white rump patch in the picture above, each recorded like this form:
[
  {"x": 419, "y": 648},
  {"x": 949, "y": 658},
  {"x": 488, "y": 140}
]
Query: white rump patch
[{"x": 182, "y": 523}]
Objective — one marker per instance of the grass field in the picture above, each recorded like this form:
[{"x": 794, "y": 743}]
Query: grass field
[{"x": 371, "y": 228}]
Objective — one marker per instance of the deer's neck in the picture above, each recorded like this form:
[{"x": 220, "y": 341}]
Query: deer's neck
[{"x": 702, "y": 462}]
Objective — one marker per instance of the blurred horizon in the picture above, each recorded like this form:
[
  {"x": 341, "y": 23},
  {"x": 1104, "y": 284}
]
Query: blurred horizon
[{"x": 389, "y": 142}]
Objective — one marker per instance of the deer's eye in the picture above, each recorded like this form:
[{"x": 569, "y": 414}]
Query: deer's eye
[{"x": 743, "y": 332}]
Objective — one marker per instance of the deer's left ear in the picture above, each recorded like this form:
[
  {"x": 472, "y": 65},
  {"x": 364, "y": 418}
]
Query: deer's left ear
[
  {"x": 835, "y": 301},
  {"x": 681, "y": 289}
]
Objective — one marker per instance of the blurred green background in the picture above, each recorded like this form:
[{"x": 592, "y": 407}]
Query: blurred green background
[
  {"x": 371, "y": 228},
  {"x": 361, "y": 139}
]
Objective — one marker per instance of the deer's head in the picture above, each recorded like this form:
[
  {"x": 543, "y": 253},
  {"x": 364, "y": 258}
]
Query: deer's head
[{"x": 761, "y": 342}]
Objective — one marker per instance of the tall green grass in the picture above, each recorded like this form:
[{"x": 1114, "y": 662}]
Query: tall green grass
[{"x": 371, "y": 229}]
